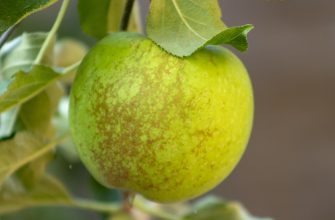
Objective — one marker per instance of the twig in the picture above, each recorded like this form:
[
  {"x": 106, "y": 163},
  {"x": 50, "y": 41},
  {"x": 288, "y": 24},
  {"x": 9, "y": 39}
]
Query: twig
[
  {"x": 126, "y": 15},
  {"x": 52, "y": 32},
  {"x": 96, "y": 206}
]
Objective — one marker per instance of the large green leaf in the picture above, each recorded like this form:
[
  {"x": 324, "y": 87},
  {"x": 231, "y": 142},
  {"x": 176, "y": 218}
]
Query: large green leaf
[
  {"x": 22, "y": 149},
  {"x": 97, "y": 18},
  {"x": 14, "y": 196},
  {"x": 27, "y": 85},
  {"x": 214, "y": 208},
  {"x": 183, "y": 26},
  {"x": 12, "y": 11}
]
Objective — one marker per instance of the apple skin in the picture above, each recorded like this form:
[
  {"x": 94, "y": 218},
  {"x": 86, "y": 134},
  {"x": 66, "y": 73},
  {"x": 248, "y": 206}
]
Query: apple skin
[{"x": 166, "y": 127}]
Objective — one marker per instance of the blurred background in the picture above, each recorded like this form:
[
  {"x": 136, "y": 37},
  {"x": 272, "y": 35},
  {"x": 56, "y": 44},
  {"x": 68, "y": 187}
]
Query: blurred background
[{"x": 288, "y": 170}]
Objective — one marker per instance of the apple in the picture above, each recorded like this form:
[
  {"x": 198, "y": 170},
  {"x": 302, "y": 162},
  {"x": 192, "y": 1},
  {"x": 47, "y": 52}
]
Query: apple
[{"x": 166, "y": 127}]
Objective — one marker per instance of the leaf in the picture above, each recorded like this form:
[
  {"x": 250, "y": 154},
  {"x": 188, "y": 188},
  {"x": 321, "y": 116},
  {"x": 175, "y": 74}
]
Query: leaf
[
  {"x": 22, "y": 149},
  {"x": 69, "y": 51},
  {"x": 99, "y": 18},
  {"x": 12, "y": 11},
  {"x": 36, "y": 116},
  {"x": 37, "y": 113},
  {"x": 235, "y": 36},
  {"x": 48, "y": 190},
  {"x": 25, "y": 86},
  {"x": 32, "y": 172},
  {"x": 7, "y": 119},
  {"x": 7, "y": 123},
  {"x": 20, "y": 53},
  {"x": 182, "y": 27},
  {"x": 217, "y": 209},
  {"x": 124, "y": 216},
  {"x": 61, "y": 122}
]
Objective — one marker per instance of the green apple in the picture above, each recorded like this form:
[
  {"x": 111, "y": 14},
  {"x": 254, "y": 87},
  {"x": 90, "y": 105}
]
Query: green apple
[{"x": 166, "y": 127}]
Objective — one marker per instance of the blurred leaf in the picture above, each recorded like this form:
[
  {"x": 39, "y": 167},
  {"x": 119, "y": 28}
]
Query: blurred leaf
[
  {"x": 182, "y": 27},
  {"x": 214, "y": 208},
  {"x": 48, "y": 213},
  {"x": 68, "y": 51},
  {"x": 46, "y": 191},
  {"x": 61, "y": 122},
  {"x": 145, "y": 206},
  {"x": 12, "y": 11},
  {"x": 121, "y": 216},
  {"x": 99, "y": 18},
  {"x": 7, "y": 119},
  {"x": 135, "y": 23},
  {"x": 20, "y": 53},
  {"x": 37, "y": 113},
  {"x": 31, "y": 173},
  {"x": 7, "y": 123},
  {"x": 20, "y": 150},
  {"x": 36, "y": 116},
  {"x": 25, "y": 86}
]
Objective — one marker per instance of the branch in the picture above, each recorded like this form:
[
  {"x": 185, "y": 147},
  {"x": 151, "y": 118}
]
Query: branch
[{"x": 126, "y": 15}]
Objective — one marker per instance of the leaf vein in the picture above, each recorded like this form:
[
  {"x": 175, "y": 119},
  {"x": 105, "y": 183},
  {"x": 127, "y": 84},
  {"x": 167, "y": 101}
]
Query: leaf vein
[{"x": 185, "y": 21}]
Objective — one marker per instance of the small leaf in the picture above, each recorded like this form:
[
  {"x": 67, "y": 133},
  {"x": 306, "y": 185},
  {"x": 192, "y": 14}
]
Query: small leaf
[
  {"x": 48, "y": 190},
  {"x": 25, "y": 86},
  {"x": 234, "y": 36},
  {"x": 22, "y": 149},
  {"x": 217, "y": 209},
  {"x": 182, "y": 27},
  {"x": 12, "y": 11},
  {"x": 99, "y": 18}
]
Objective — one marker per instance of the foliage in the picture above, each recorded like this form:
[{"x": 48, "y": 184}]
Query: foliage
[
  {"x": 33, "y": 96},
  {"x": 12, "y": 11},
  {"x": 108, "y": 14},
  {"x": 195, "y": 23}
]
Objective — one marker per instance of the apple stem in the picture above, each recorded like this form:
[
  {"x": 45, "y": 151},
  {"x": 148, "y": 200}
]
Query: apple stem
[
  {"x": 128, "y": 201},
  {"x": 126, "y": 15}
]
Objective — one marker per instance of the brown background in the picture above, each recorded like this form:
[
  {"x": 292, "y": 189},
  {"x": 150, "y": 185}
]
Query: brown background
[{"x": 288, "y": 170}]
